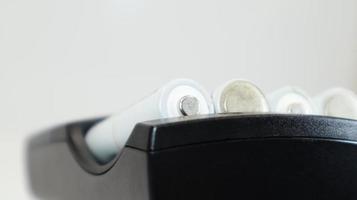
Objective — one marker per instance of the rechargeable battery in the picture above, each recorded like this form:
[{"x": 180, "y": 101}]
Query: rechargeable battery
[
  {"x": 337, "y": 102},
  {"x": 178, "y": 98},
  {"x": 293, "y": 100}
]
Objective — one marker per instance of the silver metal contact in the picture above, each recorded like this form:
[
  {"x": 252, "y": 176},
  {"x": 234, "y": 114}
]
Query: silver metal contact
[
  {"x": 242, "y": 96},
  {"x": 295, "y": 108},
  {"x": 189, "y": 105}
]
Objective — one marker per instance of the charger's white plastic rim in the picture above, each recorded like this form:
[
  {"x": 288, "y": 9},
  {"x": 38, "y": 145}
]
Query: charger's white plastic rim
[
  {"x": 291, "y": 99},
  {"x": 239, "y": 95},
  {"x": 173, "y": 92},
  {"x": 337, "y": 102}
]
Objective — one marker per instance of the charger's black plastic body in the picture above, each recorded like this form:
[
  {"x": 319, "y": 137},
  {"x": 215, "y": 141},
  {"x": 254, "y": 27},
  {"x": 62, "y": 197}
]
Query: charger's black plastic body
[{"x": 217, "y": 157}]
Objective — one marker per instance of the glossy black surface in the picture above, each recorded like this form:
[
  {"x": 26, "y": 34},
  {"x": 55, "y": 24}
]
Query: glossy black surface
[
  {"x": 216, "y": 157},
  {"x": 168, "y": 133}
]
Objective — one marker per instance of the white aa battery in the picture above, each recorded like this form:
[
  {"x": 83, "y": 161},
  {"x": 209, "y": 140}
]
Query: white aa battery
[
  {"x": 337, "y": 102},
  {"x": 180, "y": 97},
  {"x": 290, "y": 100},
  {"x": 239, "y": 96}
]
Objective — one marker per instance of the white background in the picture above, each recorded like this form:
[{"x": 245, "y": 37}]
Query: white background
[{"x": 62, "y": 60}]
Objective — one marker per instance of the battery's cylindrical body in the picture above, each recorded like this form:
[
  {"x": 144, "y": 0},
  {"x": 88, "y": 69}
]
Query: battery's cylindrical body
[
  {"x": 107, "y": 138},
  {"x": 337, "y": 102},
  {"x": 239, "y": 96},
  {"x": 292, "y": 100}
]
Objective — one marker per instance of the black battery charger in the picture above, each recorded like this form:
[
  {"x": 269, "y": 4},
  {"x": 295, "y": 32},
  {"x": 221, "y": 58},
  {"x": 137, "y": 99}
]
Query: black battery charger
[{"x": 215, "y": 157}]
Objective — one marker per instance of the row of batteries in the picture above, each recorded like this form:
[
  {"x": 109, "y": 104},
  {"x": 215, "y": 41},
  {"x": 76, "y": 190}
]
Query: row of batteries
[{"x": 183, "y": 97}]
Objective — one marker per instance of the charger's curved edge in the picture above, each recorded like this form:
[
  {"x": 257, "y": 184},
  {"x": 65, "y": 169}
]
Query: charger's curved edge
[
  {"x": 60, "y": 166},
  {"x": 153, "y": 135},
  {"x": 59, "y": 162}
]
